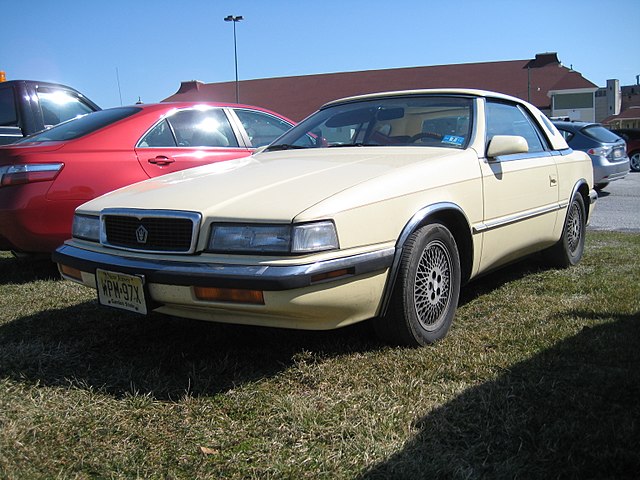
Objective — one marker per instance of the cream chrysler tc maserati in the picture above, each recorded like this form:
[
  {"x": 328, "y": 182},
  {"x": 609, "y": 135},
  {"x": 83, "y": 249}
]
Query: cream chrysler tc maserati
[{"x": 375, "y": 207}]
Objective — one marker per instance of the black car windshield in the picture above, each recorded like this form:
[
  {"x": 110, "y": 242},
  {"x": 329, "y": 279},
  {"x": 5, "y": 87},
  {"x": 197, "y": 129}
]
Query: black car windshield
[
  {"x": 415, "y": 120},
  {"x": 81, "y": 126}
]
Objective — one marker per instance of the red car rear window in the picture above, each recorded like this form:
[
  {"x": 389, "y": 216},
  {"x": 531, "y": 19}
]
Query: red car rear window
[{"x": 81, "y": 126}]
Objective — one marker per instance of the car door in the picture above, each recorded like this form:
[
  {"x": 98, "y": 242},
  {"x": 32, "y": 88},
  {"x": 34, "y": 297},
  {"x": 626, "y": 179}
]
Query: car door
[
  {"x": 189, "y": 138},
  {"x": 520, "y": 190}
]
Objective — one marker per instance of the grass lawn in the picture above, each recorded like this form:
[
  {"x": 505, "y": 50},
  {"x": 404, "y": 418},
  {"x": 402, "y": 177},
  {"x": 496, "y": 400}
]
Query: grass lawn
[{"x": 538, "y": 378}]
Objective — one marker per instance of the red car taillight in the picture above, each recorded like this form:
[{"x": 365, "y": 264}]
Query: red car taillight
[{"x": 29, "y": 173}]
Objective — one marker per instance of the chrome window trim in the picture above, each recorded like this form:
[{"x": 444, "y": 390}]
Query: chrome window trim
[
  {"x": 196, "y": 220},
  {"x": 518, "y": 156}
]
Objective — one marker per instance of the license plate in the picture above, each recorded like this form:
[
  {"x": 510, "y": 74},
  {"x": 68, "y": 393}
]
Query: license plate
[{"x": 122, "y": 291}]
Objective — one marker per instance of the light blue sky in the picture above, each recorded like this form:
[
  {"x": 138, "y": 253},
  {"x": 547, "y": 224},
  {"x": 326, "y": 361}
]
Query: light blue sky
[{"x": 156, "y": 44}]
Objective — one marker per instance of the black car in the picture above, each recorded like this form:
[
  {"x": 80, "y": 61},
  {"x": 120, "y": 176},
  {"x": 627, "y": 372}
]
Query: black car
[
  {"x": 606, "y": 149},
  {"x": 28, "y": 106}
]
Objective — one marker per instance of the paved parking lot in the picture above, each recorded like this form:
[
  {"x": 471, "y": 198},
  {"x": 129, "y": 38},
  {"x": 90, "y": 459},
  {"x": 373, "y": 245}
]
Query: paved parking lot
[{"x": 618, "y": 206}]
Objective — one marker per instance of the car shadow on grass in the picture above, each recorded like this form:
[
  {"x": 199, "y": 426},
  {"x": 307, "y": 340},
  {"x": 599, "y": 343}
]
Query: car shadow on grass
[
  {"x": 26, "y": 269},
  {"x": 570, "y": 412},
  {"x": 495, "y": 279},
  {"x": 118, "y": 353},
  {"x": 122, "y": 353}
]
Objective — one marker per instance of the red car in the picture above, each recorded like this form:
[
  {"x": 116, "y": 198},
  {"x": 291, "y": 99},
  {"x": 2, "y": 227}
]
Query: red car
[
  {"x": 632, "y": 137},
  {"x": 45, "y": 176}
]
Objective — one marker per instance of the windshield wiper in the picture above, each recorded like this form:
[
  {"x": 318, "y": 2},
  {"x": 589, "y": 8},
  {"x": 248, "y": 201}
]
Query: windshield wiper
[
  {"x": 283, "y": 146},
  {"x": 360, "y": 144}
]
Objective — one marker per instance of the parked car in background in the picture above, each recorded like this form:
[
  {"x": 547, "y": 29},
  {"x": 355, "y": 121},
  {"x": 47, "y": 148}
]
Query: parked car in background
[
  {"x": 28, "y": 106},
  {"x": 378, "y": 206},
  {"x": 632, "y": 137},
  {"x": 606, "y": 149},
  {"x": 44, "y": 177}
]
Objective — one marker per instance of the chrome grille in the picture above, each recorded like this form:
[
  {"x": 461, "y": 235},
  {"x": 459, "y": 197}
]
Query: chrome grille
[{"x": 150, "y": 231}]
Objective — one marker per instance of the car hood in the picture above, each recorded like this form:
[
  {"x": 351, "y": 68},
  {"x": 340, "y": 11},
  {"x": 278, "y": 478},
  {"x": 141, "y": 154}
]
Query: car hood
[{"x": 270, "y": 186}]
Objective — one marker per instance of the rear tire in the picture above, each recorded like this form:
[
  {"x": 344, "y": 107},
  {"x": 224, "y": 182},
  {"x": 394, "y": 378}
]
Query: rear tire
[
  {"x": 426, "y": 293},
  {"x": 569, "y": 249}
]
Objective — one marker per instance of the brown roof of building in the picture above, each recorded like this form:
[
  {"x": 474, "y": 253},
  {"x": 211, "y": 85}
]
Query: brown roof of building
[
  {"x": 631, "y": 113},
  {"x": 297, "y": 97}
]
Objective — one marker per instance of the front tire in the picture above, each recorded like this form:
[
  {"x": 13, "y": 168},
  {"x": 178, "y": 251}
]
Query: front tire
[{"x": 426, "y": 293}]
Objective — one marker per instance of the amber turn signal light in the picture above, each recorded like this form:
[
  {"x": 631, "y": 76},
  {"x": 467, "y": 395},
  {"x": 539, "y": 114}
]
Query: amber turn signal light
[
  {"x": 70, "y": 271},
  {"x": 235, "y": 295},
  {"x": 321, "y": 277}
]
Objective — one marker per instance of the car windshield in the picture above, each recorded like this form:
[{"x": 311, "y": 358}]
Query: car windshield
[
  {"x": 601, "y": 134},
  {"x": 81, "y": 126},
  {"x": 428, "y": 120}
]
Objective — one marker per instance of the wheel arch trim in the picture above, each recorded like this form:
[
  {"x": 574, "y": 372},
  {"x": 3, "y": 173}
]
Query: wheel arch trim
[
  {"x": 589, "y": 195},
  {"x": 419, "y": 219}
]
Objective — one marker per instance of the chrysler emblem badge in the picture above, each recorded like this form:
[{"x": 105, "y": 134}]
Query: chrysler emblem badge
[{"x": 142, "y": 234}]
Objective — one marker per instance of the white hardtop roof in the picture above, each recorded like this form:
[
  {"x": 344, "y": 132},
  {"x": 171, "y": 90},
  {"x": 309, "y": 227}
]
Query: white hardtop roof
[{"x": 430, "y": 91}]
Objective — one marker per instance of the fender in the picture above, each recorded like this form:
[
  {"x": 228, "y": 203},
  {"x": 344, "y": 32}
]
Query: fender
[
  {"x": 420, "y": 218},
  {"x": 589, "y": 199}
]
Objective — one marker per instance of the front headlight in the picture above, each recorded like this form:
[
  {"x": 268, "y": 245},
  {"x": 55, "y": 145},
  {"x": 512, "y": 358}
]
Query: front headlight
[
  {"x": 250, "y": 238},
  {"x": 86, "y": 227},
  {"x": 257, "y": 238}
]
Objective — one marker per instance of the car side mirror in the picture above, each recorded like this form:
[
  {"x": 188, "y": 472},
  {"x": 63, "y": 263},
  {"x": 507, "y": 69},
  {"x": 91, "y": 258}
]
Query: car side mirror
[{"x": 506, "y": 145}]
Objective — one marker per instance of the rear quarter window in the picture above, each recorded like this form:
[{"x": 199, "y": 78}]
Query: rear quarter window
[{"x": 82, "y": 126}]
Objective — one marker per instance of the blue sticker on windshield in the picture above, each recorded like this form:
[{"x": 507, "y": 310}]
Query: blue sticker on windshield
[{"x": 453, "y": 140}]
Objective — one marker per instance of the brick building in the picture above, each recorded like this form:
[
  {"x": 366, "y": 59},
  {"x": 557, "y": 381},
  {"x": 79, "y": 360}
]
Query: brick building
[{"x": 543, "y": 80}]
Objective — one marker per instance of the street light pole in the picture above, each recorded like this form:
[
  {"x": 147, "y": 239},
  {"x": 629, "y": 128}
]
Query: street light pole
[{"x": 234, "y": 19}]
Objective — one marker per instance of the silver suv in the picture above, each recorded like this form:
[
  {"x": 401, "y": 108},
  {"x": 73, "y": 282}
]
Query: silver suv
[{"x": 607, "y": 150}]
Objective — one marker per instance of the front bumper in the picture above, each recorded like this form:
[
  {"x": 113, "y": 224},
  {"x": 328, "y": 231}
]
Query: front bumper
[
  {"x": 320, "y": 295},
  {"x": 260, "y": 277}
]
